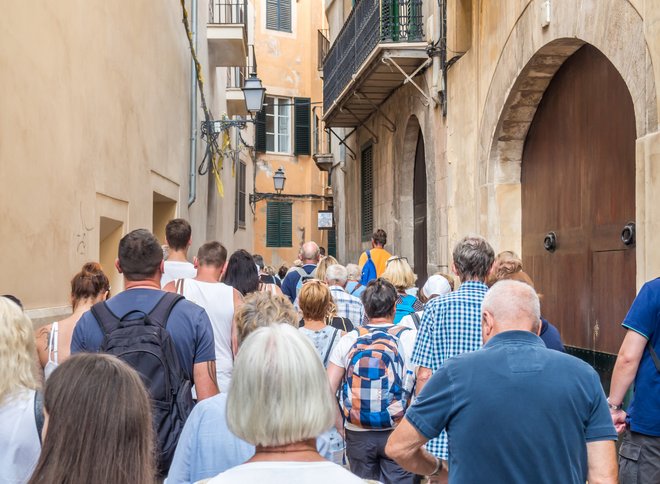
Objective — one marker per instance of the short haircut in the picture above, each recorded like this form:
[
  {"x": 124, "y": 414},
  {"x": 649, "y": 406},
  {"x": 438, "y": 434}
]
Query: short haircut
[
  {"x": 281, "y": 272},
  {"x": 399, "y": 273},
  {"x": 259, "y": 260},
  {"x": 336, "y": 273},
  {"x": 279, "y": 392},
  {"x": 506, "y": 263},
  {"x": 513, "y": 302},
  {"x": 261, "y": 309},
  {"x": 379, "y": 237},
  {"x": 473, "y": 258},
  {"x": 379, "y": 298},
  {"x": 177, "y": 233},
  {"x": 310, "y": 251},
  {"x": 353, "y": 272},
  {"x": 89, "y": 283},
  {"x": 315, "y": 300},
  {"x": 139, "y": 255},
  {"x": 212, "y": 254}
]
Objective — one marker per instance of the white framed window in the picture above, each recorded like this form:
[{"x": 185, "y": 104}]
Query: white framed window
[{"x": 278, "y": 124}]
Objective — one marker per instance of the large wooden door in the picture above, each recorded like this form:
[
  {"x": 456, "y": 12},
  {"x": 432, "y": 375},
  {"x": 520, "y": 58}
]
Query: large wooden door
[
  {"x": 419, "y": 212},
  {"x": 578, "y": 181}
]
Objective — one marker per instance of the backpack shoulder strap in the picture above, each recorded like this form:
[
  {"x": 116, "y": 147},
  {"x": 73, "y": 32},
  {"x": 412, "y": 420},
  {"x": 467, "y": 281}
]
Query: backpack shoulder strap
[
  {"x": 178, "y": 286},
  {"x": 416, "y": 319},
  {"x": 397, "y": 330},
  {"x": 654, "y": 356},
  {"x": 301, "y": 272},
  {"x": 161, "y": 312},
  {"x": 327, "y": 353},
  {"x": 106, "y": 319},
  {"x": 39, "y": 412},
  {"x": 369, "y": 255},
  {"x": 357, "y": 286}
]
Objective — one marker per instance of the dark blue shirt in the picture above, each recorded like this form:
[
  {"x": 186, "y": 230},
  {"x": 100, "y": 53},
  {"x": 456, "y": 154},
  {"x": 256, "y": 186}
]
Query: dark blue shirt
[
  {"x": 188, "y": 324},
  {"x": 291, "y": 281},
  {"x": 644, "y": 318},
  {"x": 515, "y": 412},
  {"x": 550, "y": 336}
]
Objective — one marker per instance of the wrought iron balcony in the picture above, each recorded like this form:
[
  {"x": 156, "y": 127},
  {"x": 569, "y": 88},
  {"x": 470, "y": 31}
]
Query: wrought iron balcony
[
  {"x": 227, "y": 32},
  {"x": 374, "y": 29},
  {"x": 227, "y": 11},
  {"x": 236, "y": 77}
]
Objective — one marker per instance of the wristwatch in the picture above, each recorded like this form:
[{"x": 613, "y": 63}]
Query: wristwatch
[{"x": 614, "y": 407}]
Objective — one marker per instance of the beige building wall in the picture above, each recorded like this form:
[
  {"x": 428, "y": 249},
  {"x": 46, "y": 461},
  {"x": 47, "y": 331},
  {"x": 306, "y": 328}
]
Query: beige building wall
[
  {"x": 287, "y": 66},
  {"x": 94, "y": 139}
]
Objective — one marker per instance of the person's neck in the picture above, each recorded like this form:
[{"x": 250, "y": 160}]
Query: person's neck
[
  {"x": 304, "y": 451},
  {"x": 142, "y": 284},
  {"x": 381, "y": 321},
  {"x": 314, "y": 324},
  {"x": 309, "y": 262},
  {"x": 82, "y": 307},
  {"x": 472, "y": 279},
  {"x": 208, "y": 274},
  {"x": 178, "y": 256}
]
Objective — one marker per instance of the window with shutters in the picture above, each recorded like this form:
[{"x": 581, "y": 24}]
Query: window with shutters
[
  {"x": 278, "y": 124},
  {"x": 367, "y": 196},
  {"x": 278, "y": 224},
  {"x": 302, "y": 116},
  {"x": 239, "y": 213},
  {"x": 278, "y": 15}
]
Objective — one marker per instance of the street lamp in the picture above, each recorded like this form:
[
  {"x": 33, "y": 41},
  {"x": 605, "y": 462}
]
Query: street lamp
[
  {"x": 254, "y": 94},
  {"x": 279, "y": 179}
]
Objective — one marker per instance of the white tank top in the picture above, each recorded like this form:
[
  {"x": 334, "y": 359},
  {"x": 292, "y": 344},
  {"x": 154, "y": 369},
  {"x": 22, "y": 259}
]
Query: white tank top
[
  {"x": 217, "y": 299},
  {"x": 53, "y": 359}
]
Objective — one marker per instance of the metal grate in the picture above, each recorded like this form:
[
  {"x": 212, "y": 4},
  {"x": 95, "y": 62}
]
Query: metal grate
[
  {"x": 227, "y": 12},
  {"x": 367, "y": 195},
  {"x": 323, "y": 47}
]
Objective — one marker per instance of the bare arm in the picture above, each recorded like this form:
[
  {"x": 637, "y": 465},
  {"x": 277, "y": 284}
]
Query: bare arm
[
  {"x": 625, "y": 369},
  {"x": 406, "y": 447},
  {"x": 601, "y": 459},
  {"x": 43, "y": 336},
  {"x": 423, "y": 374},
  {"x": 238, "y": 302},
  {"x": 169, "y": 287},
  {"x": 335, "y": 375},
  {"x": 205, "y": 380}
]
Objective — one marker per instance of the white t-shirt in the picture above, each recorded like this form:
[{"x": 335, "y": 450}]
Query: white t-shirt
[
  {"x": 19, "y": 440},
  {"x": 217, "y": 299},
  {"x": 408, "y": 322},
  {"x": 339, "y": 355},
  {"x": 176, "y": 270},
  {"x": 288, "y": 473}
]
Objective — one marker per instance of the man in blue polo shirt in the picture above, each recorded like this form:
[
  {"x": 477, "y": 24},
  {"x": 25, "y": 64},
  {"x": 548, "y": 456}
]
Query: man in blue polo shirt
[
  {"x": 309, "y": 255},
  {"x": 514, "y": 411},
  {"x": 639, "y": 453}
]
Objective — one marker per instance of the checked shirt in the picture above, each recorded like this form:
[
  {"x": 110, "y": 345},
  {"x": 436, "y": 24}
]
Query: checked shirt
[
  {"x": 451, "y": 325},
  {"x": 348, "y": 306}
]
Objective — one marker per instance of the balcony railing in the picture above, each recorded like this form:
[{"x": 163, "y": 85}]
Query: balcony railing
[
  {"x": 227, "y": 11},
  {"x": 236, "y": 75},
  {"x": 323, "y": 47},
  {"x": 370, "y": 22}
]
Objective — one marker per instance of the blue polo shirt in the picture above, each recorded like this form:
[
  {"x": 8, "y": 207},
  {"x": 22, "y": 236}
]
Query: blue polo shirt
[
  {"x": 515, "y": 412},
  {"x": 644, "y": 318}
]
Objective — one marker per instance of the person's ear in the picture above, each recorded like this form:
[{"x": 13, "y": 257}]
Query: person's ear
[
  {"x": 454, "y": 270},
  {"x": 487, "y": 325},
  {"x": 161, "y": 267},
  {"x": 117, "y": 266},
  {"x": 189, "y": 241},
  {"x": 195, "y": 262},
  {"x": 538, "y": 330}
]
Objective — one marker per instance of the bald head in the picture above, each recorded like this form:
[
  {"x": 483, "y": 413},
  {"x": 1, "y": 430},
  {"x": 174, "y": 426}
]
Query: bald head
[
  {"x": 309, "y": 253},
  {"x": 510, "y": 305}
]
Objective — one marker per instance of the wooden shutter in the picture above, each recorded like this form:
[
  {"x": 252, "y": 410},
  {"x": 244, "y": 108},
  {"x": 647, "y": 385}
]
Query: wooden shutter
[
  {"x": 366, "y": 172},
  {"x": 260, "y": 131},
  {"x": 278, "y": 224},
  {"x": 302, "y": 117},
  {"x": 241, "y": 193},
  {"x": 285, "y": 15},
  {"x": 272, "y": 14}
]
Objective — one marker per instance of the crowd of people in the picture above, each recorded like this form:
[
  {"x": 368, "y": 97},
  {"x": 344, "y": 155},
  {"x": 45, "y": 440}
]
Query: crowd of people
[{"x": 226, "y": 370}]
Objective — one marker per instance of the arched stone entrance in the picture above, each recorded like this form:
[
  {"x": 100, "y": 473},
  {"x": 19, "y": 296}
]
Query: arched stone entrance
[{"x": 420, "y": 258}]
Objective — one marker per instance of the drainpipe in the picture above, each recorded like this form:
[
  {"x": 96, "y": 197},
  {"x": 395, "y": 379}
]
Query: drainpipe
[
  {"x": 436, "y": 67},
  {"x": 192, "y": 184}
]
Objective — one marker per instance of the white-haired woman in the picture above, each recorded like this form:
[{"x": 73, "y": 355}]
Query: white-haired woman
[
  {"x": 19, "y": 435},
  {"x": 280, "y": 401}
]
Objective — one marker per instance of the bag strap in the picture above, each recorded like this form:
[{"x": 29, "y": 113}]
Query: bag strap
[
  {"x": 161, "y": 312},
  {"x": 397, "y": 330},
  {"x": 654, "y": 356},
  {"x": 327, "y": 353},
  {"x": 178, "y": 286},
  {"x": 39, "y": 412},
  {"x": 369, "y": 255},
  {"x": 106, "y": 319},
  {"x": 416, "y": 319},
  {"x": 357, "y": 286}
]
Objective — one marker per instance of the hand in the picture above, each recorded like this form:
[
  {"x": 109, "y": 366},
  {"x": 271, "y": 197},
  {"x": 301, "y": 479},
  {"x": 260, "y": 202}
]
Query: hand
[{"x": 619, "y": 420}]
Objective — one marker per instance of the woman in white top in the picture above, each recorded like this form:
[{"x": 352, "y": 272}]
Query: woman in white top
[
  {"x": 280, "y": 402},
  {"x": 88, "y": 287},
  {"x": 19, "y": 437}
]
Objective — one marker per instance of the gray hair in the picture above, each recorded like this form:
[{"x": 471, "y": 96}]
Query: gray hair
[
  {"x": 310, "y": 251},
  {"x": 513, "y": 303},
  {"x": 473, "y": 257},
  {"x": 280, "y": 392},
  {"x": 336, "y": 273},
  {"x": 353, "y": 272}
]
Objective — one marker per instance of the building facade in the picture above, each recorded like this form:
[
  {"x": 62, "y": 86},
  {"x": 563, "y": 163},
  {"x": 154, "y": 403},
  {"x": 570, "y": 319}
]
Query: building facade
[
  {"x": 543, "y": 138},
  {"x": 100, "y": 129}
]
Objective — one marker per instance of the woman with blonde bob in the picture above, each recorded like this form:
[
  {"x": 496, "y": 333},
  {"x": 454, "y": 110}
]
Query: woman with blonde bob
[
  {"x": 19, "y": 435},
  {"x": 400, "y": 274},
  {"x": 280, "y": 401}
]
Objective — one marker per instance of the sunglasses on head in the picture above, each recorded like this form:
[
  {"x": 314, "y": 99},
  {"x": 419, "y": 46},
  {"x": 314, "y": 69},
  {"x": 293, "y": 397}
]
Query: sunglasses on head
[{"x": 396, "y": 258}]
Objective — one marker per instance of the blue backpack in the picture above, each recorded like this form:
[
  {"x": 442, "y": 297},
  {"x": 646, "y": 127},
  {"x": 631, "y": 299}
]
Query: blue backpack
[
  {"x": 368, "y": 270},
  {"x": 404, "y": 308}
]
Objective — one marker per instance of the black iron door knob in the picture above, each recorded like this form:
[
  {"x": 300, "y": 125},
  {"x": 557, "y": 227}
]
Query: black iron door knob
[
  {"x": 628, "y": 234},
  {"x": 550, "y": 242}
]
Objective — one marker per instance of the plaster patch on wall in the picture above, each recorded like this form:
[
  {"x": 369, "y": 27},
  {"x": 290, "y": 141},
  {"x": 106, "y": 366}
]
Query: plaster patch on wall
[{"x": 273, "y": 47}]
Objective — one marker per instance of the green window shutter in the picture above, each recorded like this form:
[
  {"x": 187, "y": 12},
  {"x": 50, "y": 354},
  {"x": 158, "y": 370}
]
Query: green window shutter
[
  {"x": 302, "y": 118},
  {"x": 278, "y": 224},
  {"x": 260, "y": 131},
  {"x": 367, "y": 195}
]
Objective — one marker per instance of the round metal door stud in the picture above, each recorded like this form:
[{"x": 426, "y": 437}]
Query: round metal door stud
[
  {"x": 550, "y": 242},
  {"x": 628, "y": 234}
]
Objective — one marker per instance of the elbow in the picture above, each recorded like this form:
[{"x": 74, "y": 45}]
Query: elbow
[{"x": 395, "y": 450}]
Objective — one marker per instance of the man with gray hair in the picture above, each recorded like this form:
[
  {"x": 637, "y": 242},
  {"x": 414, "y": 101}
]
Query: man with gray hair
[
  {"x": 348, "y": 306},
  {"x": 309, "y": 256},
  {"x": 353, "y": 285},
  {"x": 510, "y": 410},
  {"x": 451, "y": 324}
]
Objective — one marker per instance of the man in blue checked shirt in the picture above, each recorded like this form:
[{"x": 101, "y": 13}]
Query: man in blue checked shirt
[
  {"x": 348, "y": 306},
  {"x": 451, "y": 324}
]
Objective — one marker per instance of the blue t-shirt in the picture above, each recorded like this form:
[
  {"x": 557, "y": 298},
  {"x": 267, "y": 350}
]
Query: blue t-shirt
[
  {"x": 644, "y": 318},
  {"x": 515, "y": 411},
  {"x": 550, "y": 336},
  {"x": 291, "y": 281},
  {"x": 188, "y": 324}
]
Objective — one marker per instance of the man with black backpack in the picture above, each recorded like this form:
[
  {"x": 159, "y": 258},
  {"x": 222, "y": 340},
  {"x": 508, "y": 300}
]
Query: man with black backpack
[
  {"x": 167, "y": 339},
  {"x": 310, "y": 256},
  {"x": 372, "y": 365}
]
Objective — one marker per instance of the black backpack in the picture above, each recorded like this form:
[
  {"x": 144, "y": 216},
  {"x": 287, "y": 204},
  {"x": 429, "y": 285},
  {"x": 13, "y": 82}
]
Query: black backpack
[{"x": 145, "y": 345}]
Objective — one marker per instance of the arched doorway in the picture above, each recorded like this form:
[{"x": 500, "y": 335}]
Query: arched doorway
[
  {"x": 419, "y": 212},
  {"x": 578, "y": 181}
]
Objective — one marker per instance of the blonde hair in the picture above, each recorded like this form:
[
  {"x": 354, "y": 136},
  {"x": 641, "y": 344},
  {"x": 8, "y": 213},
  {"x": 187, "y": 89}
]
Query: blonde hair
[
  {"x": 399, "y": 273},
  {"x": 18, "y": 353},
  {"x": 280, "y": 393},
  {"x": 315, "y": 300},
  {"x": 261, "y": 309},
  {"x": 322, "y": 267}
]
